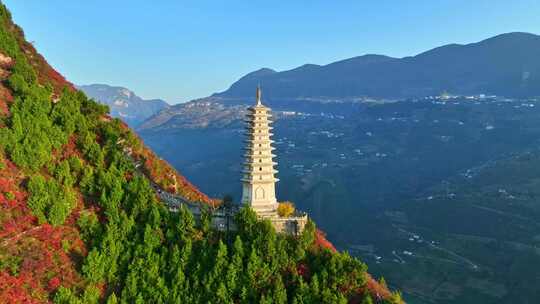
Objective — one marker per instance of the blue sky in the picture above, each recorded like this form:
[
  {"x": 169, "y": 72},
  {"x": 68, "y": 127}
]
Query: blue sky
[{"x": 180, "y": 50}]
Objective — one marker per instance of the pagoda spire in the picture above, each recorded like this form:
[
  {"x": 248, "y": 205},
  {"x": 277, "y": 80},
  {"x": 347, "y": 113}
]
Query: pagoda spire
[{"x": 258, "y": 94}]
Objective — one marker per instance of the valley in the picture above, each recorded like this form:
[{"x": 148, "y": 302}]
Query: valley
[{"x": 407, "y": 186}]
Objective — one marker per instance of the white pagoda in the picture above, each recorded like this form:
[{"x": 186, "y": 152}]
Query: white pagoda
[{"x": 258, "y": 181}]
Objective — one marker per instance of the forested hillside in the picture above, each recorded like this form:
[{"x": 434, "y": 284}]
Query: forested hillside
[{"x": 81, "y": 223}]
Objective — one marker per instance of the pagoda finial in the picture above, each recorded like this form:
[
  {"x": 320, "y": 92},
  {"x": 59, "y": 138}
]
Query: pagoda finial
[{"x": 259, "y": 95}]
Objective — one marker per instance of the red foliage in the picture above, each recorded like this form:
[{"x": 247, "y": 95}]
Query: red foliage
[
  {"x": 10, "y": 166},
  {"x": 128, "y": 175},
  {"x": 46, "y": 74},
  {"x": 14, "y": 289},
  {"x": 124, "y": 125},
  {"x": 321, "y": 242},
  {"x": 377, "y": 291},
  {"x": 45, "y": 258},
  {"x": 70, "y": 149},
  {"x": 13, "y": 226},
  {"x": 5, "y": 98},
  {"x": 54, "y": 283},
  {"x": 44, "y": 252},
  {"x": 163, "y": 174},
  {"x": 168, "y": 178},
  {"x": 303, "y": 270},
  {"x": 15, "y": 215}
]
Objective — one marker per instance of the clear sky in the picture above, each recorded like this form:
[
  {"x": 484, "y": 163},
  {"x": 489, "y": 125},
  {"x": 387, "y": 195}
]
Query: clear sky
[{"x": 180, "y": 50}]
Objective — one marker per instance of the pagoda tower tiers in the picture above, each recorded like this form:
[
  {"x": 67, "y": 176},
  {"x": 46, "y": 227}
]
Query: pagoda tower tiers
[{"x": 259, "y": 181}]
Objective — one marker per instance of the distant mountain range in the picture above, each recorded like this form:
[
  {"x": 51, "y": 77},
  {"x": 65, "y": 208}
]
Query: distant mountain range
[
  {"x": 124, "y": 103},
  {"x": 507, "y": 64}
]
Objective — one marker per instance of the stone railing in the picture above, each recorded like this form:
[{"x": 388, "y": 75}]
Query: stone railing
[{"x": 293, "y": 225}]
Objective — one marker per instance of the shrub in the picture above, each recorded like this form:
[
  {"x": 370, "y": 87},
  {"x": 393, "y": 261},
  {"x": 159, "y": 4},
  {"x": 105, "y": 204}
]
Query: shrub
[
  {"x": 9, "y": 195},
  {"x": 285, "y": 209},
  {"x": 50, "y": 201}
]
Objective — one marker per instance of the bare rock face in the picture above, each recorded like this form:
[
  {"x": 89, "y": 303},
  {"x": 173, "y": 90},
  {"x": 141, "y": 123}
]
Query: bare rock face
[{"x": 5, "y": 61}]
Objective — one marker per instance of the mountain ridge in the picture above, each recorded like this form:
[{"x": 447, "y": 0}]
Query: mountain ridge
[{"x": 505, "y": 64}]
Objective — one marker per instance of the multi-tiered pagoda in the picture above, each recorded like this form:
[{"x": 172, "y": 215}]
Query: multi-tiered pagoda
[{"x": 258, "y": 182}]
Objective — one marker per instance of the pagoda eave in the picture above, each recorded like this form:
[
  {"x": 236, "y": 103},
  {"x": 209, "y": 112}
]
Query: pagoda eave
[
  {"x": 251, "y": 156},
  {"x": 257, "y": 141},
  {"x": 274, "y": 171},
  {"x": 260, "y": 164},
  {"x": 259, "y": 181}
]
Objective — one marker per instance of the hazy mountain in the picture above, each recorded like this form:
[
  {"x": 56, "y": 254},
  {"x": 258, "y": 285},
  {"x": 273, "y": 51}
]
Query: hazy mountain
[
  {"x": 208, "y": 112},
  {"x": 506, "y": 64},
  {"x": 124, "y": 103}
]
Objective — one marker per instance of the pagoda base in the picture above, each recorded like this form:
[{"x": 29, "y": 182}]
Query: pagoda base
[{"x": 265, "y": 210}]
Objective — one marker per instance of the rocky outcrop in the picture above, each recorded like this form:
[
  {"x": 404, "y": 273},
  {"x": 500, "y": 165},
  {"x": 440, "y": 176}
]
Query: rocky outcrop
[{"x": 6, "y": 63}]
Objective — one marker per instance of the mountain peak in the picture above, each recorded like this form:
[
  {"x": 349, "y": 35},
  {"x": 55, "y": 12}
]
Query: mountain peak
[
  {"x": 513, "y": 36},
  {"x": 262, "y": 72},
  {"x": 364, "y": 59},
  {"x": 124, "y": 103}
]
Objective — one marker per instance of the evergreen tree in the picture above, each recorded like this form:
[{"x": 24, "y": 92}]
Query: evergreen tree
[{"x": 367, "y": 299}]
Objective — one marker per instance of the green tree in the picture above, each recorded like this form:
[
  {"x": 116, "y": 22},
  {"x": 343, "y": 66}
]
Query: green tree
[{"x": 94, "y": 266}]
